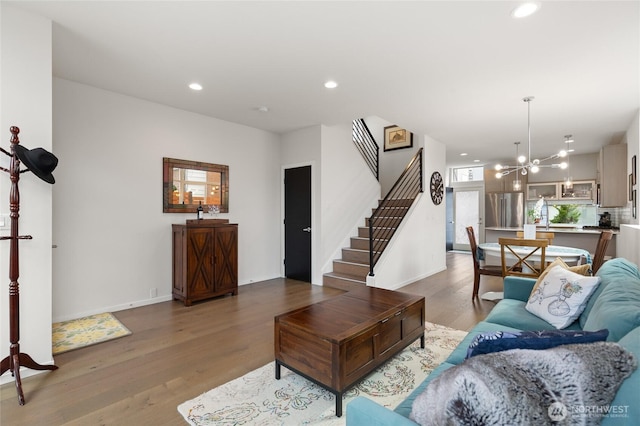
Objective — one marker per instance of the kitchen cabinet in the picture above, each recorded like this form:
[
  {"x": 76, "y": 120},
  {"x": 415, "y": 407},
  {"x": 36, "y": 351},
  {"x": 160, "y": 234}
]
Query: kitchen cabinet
[
  {"x": 582, "y": 190},
  {"x": 504, "y": 184},
  {"x": 205, "y": 259},
  {"x": 612, "y": 176}
]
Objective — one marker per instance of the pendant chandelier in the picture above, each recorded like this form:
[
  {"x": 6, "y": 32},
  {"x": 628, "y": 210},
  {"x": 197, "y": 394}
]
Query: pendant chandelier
[
  {"x": 568, "y": 182},
  {"x": 526, "y": 164}
]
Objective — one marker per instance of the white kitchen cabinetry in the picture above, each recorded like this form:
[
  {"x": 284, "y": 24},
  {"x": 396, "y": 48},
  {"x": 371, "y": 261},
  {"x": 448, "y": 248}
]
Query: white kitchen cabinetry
[
  {"x": 612, "y": 175},
  {"x": 548, "y": 190},
  {"x": 582, "y": 190}
]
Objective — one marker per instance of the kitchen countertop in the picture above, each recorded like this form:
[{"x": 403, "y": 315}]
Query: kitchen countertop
[{"x": 558, "y": 229}]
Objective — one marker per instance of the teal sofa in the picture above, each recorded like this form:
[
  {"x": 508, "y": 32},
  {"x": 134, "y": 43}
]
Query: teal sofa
[{"x": 615, "y": 305}]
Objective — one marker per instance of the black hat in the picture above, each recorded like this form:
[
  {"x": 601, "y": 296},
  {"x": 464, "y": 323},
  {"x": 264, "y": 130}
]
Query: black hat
[{"x": 40, "y": 161}]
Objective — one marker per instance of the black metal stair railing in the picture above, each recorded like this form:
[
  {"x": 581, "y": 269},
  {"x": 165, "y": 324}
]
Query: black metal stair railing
[
  {"x": 393, "y": 208},
  {"x": 366, "y": 144}
]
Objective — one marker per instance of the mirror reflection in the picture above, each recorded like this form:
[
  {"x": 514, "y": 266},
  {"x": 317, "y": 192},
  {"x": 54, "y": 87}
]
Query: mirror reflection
[{"x": 187, "y": 184}]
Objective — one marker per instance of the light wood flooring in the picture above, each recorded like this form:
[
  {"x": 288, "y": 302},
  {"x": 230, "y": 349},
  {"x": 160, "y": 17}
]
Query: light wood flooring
[{"x": 176, "y": 353}]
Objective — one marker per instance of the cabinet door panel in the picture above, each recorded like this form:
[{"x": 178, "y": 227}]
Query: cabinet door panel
[
  {"x": 200, "y": 262},
  {"x": 226, "y": 258}
]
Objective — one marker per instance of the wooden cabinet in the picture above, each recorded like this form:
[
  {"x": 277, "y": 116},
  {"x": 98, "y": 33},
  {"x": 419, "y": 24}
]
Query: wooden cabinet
[
  {"x": 612, "y": 175},
  {"x": 205, "y": 259}
]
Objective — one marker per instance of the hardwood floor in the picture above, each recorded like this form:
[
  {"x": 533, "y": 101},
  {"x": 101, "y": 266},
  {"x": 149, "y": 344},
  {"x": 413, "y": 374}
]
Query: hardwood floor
[{"x": 176, "y": 353}]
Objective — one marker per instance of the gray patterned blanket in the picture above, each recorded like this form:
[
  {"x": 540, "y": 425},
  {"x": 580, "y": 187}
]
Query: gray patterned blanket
[{"x": 567, "y": 385}]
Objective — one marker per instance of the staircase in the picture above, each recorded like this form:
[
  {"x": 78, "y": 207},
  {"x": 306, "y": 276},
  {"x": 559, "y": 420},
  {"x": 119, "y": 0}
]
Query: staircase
[{"x": 352, "y": 269}]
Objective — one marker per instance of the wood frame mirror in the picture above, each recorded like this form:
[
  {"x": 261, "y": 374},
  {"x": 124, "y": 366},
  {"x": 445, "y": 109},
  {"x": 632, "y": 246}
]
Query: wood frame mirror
[{"x": 186, "y": 184}]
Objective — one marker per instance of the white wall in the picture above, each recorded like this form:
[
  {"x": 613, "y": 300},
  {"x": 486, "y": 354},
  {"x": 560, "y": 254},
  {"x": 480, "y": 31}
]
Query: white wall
[
  {"x": 392, "y": 163},
  {"x": 417, "y": 250},
  {"x": 632, "y": 138},
  {"x": 302, "y": 148},
  {"x": 113, "y": 240},
  {"x": 348, "y": 192},
  {"x": 25, "y": 84}
]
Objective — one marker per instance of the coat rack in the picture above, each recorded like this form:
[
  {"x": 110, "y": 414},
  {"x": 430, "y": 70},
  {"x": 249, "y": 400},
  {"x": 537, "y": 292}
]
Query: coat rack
[{"x": 41, "y": 163}]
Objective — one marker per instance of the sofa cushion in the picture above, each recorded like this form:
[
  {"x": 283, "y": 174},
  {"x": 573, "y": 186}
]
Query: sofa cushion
[
  {"x": 404, "y": 408},
  {"x": 561, "y": 296},
  {"x": 625, "y": 404},
  {"x": 614, "y": 270},
  {"x": 617, "y": 308},
  {"x": 485, "y": 343},
  {"x": 512, "y": 313}
]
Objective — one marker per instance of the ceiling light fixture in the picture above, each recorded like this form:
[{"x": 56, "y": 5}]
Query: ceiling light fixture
[
  {"x": 330, "y": 84},
  {"x": 195, "y": 86},
  {"x": 263, "y": 108},
  {"x": 568, "y": 182},
  {"x": 525, "y": 9},
  {"x": 532, "y": 166}
]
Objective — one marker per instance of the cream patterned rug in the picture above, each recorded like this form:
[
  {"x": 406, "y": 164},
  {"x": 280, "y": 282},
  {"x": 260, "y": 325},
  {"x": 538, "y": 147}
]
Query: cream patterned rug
[
  {"x": 257, "y": 398},
  {"x": 81, "y": 332}
]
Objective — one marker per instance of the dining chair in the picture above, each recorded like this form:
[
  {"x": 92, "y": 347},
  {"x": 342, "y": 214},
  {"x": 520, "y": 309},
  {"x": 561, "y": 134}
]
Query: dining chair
[
  {"x": 601, "y": 249},
  {"x": 480, "y": 268},
  {"x": 522, "y": 251},
  {"x": 539, "y": 234}
]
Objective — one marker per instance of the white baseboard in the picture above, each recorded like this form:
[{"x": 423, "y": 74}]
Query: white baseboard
[{"x": 115, "y": 308}]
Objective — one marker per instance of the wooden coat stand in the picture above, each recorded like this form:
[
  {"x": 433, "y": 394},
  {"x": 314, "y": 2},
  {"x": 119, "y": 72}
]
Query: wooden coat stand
[{"x": 16, "y": 359}]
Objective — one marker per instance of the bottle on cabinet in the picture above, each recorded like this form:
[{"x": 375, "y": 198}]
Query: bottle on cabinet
[{"x": 200, "y": 211}]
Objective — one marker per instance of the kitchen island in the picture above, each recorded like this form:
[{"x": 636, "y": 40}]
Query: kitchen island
[{"x": 569, "y": 236}]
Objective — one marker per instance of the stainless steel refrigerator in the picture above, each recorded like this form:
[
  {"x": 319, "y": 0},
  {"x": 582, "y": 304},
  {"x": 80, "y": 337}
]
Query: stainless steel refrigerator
[{"x": 504, "y": 209}]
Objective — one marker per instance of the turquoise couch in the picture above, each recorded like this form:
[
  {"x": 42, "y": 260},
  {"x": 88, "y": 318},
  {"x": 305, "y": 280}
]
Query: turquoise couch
[{"x": 615, "y": 305}]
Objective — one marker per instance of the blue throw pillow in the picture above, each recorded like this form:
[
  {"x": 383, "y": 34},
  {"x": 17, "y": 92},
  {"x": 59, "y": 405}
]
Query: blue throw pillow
[{"x": 485, "y": 343}]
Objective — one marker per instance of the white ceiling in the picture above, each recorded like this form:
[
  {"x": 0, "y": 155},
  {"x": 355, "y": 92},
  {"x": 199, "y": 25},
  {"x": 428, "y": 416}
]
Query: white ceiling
[{"x": 454, "y": 70}]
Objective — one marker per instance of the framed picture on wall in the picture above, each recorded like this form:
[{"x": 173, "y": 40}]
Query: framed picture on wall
[
  {"x": 634, "y": 170},
  {"x": 397, "y": 138},
  {"x": 631, "y": 187}
]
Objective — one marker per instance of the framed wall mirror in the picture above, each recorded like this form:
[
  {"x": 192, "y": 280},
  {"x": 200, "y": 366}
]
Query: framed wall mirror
[{"x": 187, "y": 184}]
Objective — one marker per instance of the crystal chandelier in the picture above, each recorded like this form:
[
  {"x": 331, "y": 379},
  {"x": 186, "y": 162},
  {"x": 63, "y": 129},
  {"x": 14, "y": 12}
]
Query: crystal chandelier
[{"x": 525, "y": 164}]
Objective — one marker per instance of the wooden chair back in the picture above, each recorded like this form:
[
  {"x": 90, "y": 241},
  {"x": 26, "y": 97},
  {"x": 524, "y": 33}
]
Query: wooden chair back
[
  {"x": 601, "y": 249},
  {"x": 478, "y": 269},
  {"x": 539, "y": 234},
  {"x": 524, "y": 265}
]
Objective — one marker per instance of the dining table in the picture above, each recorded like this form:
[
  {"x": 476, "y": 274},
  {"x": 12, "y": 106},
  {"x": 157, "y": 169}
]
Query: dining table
[{"x": 570, "y": 255}]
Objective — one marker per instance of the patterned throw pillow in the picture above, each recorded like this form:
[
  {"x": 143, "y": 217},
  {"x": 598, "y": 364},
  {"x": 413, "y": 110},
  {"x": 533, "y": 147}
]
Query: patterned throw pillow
[
  {"x": 561, "y": 296},
  {"x": 579, "y": 269}
]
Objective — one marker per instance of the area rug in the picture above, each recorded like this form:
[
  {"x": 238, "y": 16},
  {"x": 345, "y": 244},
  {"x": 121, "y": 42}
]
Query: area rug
[
  {"x": 82, "y": 332},
  {"x": 257, "y": 398}
]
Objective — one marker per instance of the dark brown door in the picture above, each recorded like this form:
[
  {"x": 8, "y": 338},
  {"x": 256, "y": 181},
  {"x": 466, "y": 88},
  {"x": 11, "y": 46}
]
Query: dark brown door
[{"x": 297, "y": 223}]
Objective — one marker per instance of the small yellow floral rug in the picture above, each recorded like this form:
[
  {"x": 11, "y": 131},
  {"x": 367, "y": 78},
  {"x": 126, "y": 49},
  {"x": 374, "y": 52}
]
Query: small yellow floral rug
[{"x": 82, "y": 332}]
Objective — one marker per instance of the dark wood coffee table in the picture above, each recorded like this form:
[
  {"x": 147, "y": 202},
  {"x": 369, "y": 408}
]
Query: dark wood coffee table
[{"x": 337, "y": 342}]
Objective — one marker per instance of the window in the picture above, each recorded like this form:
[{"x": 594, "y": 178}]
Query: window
[{"x": 467, "y": 174}]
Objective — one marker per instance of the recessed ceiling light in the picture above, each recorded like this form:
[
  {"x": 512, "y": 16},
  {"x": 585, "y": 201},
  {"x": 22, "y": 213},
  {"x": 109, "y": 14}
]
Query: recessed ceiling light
[
  {"x": 476, "y": 161},
  {"x": 330, "y": 84},
  {"x": 525, "y": 9},
  {"x": 463, "y": 154},
  {"x": 263, "y": 108},
  {"x": 195, "y": 86}
]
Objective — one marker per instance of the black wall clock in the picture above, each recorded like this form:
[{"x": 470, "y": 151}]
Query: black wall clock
[{"x": 437, "y": 188}]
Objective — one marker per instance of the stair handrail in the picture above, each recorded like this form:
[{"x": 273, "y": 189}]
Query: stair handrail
[
  {"x": 407, "y": 187},
  {"x": 367, "y": 145}
]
